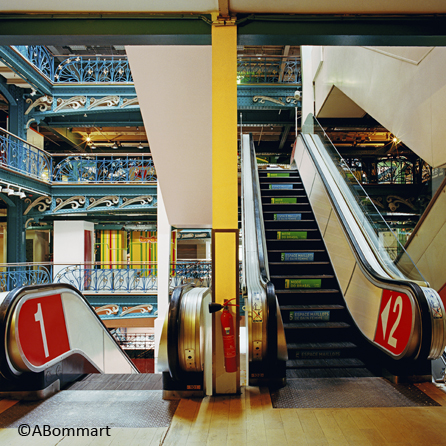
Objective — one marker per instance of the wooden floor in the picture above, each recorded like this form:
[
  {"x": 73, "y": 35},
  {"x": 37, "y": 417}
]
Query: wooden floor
[{"x": 249, "y": 419}]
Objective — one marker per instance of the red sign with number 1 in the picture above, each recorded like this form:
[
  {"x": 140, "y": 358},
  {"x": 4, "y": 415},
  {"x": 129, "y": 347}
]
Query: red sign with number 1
[
  {"x": 42, "y": 330},
  {"x": 394, "y": 321}
]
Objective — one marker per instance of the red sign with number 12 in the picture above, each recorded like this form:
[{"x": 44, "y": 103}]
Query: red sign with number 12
[
  {"x": 394, "y": 322},
  {"x": 42, "y": 330}
]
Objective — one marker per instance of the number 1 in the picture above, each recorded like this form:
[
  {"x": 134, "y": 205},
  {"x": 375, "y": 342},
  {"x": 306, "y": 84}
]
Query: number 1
[{"x": 39, "y": 318}]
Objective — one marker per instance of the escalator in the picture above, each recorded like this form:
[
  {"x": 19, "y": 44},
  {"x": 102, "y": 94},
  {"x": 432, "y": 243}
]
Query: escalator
[
  {"x": 50, "y": 337},
  {"x": 346, "y": 309},
  {"x": 318, "y": 327}
]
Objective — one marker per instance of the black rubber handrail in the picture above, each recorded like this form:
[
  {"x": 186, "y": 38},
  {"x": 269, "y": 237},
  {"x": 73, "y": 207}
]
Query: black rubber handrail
[
  {"x": 173, "y": 331},
  {"x": 271, "y": 301}
]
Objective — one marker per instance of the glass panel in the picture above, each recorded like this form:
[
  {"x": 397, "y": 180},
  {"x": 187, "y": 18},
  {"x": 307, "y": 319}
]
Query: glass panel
[{"x": 383, "y": 239}]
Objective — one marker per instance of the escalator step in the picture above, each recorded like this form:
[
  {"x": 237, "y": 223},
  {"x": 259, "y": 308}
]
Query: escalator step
[
  {"x": 323, "y": 363},
  {"x": 284, "y": 263},
  {"x": 321, "y": 345},
  {"x": 319, "y": 276},
  {"x": 317, "y": 325},
  {"x": 311, "y": 307},
  {"x": 351, "y": 372},
  {"x": 307, "y": 291}
]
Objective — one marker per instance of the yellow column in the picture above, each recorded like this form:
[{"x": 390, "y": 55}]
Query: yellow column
[{"x": 224, "y": 191}]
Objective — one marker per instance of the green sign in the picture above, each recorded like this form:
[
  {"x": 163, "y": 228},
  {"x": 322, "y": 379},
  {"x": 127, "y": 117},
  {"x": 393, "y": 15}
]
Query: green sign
[
  {"x": 291, "y": 235},
  {"x": 302, "y": 283},
  {"x": 278, "y": 175},
  {"x": 282, "y": 200}
]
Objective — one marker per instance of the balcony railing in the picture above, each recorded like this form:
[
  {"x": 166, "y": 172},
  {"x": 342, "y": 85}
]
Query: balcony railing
[
  {"x": 77, "y": 69},
  {"x": 21, "y": 156},
  {"x": 105, "y": 278},
  {"x": 115, "y": 69},
  {"x": 268, "y": 70}
]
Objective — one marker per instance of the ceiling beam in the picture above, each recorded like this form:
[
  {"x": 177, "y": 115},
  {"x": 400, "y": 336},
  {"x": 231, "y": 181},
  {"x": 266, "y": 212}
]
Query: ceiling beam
[
  {"x": 253, "y": 29},
  {"x": 223, "y": 7}
]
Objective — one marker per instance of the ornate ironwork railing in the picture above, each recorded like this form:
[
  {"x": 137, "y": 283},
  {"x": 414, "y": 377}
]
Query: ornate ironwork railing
[
  {"x": 117, "y": 279},
  {"x": 140, "y": 341},
  {"x": 104, "y": 278},
  {"x": 21, "y": 156},
  {"x": 107, "y": 170},
  {"x": 40, "y": 57},
  {"x": 16, "y": 275},
  {"x": 25, "y": 158},
  {"x": 77, "y": 69},
  {"x": 268, "y": 70}
]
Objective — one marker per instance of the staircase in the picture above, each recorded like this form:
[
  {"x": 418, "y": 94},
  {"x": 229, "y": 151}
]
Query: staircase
[{"x": 318, "y": 328}]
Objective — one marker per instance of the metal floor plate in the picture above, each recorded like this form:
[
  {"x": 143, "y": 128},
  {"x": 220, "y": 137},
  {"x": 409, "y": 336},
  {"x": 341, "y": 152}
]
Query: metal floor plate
[
  {"x": 348, "y": 392},
  {"x": 94, "y": 408},
  {"x": 97, "y": 381}
]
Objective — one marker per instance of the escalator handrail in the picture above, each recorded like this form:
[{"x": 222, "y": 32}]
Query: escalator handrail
[
  {"x": 173, "y": 331},
  {"x": 425, "y": 349},
  {"x": 271, "y": 300},
  {"x": 260, "y": 227}
]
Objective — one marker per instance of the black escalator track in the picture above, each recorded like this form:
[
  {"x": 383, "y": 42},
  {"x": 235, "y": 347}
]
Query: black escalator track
[{"x": 318, "y": 328}]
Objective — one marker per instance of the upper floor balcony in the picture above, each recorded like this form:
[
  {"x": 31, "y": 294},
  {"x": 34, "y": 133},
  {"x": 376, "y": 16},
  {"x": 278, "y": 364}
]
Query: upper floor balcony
[
  {"x": 26, "y": 159},
  {"x": 115, "y": 69}
]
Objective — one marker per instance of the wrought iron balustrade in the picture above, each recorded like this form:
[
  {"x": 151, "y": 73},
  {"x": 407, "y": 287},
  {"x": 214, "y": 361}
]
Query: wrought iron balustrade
[
  {"x": 268, "y": 70},
  {"x": 140, "y": 341},
  {"x": 16, "y": 275},
  {"x": 77, "y": 69},
  {"x": 105, "y": 277},
  {"x": 122, "y": 169},
  {"x": 21, "y": 156}
]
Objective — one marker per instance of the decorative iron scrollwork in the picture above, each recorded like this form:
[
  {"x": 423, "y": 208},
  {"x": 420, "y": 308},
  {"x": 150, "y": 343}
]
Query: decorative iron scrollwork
[
  {"x": 43, "y": 204},
  {"x": 126, "y": 102},
  {"x": 107, "y": 101},
  {"x": 111, "y": 200},
  {"x": 74, "y": 103},
  {"x": 262, "y": 99},
  {"x": 44, "y": 103},
  {"x": 75, "y": 202},
  {"x": 143, "y": 199},
  {"x": 394, "y": 202}
]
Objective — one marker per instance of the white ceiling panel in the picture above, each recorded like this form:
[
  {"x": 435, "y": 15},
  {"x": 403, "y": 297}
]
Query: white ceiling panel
[
  {"x": 235, "y": 6},
  {"x": 107, "y": 6},
  {"x": 339, "y": 6}
]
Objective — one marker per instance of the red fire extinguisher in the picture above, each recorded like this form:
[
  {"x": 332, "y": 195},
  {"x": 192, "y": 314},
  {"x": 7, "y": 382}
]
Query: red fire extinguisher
[{"x": 227, "y": 328}]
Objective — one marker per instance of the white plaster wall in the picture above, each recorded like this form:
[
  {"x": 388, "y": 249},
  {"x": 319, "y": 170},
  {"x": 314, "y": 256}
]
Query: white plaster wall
[
  {"x": 69, "y": 242},
  {"x": 174, "y": 89},
  {"x": 402, "y": 88},
  {"x": 427, "y": 249}
]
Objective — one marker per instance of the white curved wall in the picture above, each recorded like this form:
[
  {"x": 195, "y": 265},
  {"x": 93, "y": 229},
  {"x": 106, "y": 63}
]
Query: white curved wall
[{"x": 402, "y": 88}]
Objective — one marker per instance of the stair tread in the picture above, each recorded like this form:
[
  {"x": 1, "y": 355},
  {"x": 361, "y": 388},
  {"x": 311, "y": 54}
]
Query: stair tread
[
  {"x": 343, "y": 372},
  {"x": 324, "y": 362},
  {"x": 298, "y": 263},
  {"x": 302, "y": 325},
  {"x": 309, "y": 307},
  {"x": 321, "y": 345},
  {"x": 308, "y": 290},
  {"x": 305, "y": 276},
  {"x": 297, "y": 250}
]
